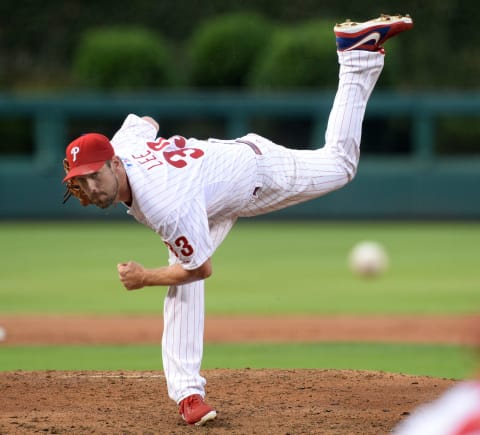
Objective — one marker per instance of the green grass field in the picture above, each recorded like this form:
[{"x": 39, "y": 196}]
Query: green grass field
[
  {"x": 262, "y": 268},
  {"x": 429, "y": 360}
]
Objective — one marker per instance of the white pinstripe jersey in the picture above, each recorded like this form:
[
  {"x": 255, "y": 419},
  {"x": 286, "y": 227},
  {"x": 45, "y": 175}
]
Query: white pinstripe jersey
[
  {"x": 455, "y": 412},
  {"x": 178, "y": 184}
]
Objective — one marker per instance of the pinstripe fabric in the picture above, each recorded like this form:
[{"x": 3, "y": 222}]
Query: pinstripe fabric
[
  {"x": 293, "y": 176},
  {"x": 182, "y": 342},
  {"x": 191, "y": 192},
  {"x": 178, "y": 201}
]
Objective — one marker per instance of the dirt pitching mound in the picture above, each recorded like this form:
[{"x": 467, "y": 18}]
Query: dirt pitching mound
[{"x": 247, "y": 401}]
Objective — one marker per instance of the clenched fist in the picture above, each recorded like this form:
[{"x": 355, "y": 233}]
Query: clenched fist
[{"x": 131, "y": 275}]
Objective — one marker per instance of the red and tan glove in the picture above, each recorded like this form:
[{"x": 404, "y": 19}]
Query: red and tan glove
[{"x": 73, "y": 189}]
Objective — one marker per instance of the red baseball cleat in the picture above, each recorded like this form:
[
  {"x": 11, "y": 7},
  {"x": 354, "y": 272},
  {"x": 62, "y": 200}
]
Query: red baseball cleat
[
  {"x": 195, "y": 411},
  {"x": 370, "y": 35}
]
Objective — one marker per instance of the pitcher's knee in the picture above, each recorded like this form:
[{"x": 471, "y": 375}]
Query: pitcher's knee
[
  {"x": 346, "y": 162},
  {"x": 347, "y": 167},
  {"x": 351, "y": 171}
]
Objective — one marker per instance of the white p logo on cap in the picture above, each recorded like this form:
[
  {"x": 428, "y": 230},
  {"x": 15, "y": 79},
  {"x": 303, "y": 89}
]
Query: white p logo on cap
[{"x": 74, "y": 151}]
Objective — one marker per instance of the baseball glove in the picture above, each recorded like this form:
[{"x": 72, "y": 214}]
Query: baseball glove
[{"x": 73, "y": 189}]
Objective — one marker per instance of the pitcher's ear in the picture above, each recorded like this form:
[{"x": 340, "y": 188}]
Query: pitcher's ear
[{"x": 116, "y": 162}]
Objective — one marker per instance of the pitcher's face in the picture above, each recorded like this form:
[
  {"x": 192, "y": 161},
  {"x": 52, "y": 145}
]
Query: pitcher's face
[{"x": 101, "y": 187}]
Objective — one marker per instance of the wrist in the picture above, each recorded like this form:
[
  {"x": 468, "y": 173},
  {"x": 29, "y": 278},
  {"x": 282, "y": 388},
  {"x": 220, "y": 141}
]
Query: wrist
[{"x": 145, "y": 278}]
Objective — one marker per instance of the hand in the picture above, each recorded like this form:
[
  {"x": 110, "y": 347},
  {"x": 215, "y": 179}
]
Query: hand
[{"x": 131, "y": 275}]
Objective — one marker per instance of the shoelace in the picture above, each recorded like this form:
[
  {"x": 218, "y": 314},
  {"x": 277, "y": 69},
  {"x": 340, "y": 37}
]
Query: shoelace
[
  {"x": 190, "y": 402},
  {"x": 193, "y": 400}
]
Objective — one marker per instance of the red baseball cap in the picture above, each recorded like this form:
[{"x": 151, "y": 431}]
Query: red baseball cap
[{"x": 87, "y": 154}]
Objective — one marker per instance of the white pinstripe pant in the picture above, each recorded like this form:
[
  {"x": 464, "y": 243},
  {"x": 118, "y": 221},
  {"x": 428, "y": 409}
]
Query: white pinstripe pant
[{"x": 286, "y": 177}]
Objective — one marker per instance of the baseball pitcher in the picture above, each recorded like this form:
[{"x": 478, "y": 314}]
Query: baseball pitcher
[{"x": 191, "y": 192}]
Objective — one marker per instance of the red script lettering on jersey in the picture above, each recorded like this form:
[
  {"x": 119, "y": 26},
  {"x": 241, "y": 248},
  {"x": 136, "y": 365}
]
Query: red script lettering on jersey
[
  {"x": 143, "y": 159},
  {"x": 176, "y": 158}
]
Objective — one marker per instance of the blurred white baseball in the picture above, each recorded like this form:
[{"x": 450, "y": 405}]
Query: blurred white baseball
[
  {"x": 368, "y": 259},
  {"x": 3, "y": 334}
]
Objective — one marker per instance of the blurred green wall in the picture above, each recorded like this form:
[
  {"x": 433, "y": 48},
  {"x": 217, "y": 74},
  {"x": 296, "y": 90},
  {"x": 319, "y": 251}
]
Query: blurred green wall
[
  {"x": 420, "y": 155},
  {"x": 419, "y": 182}
]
